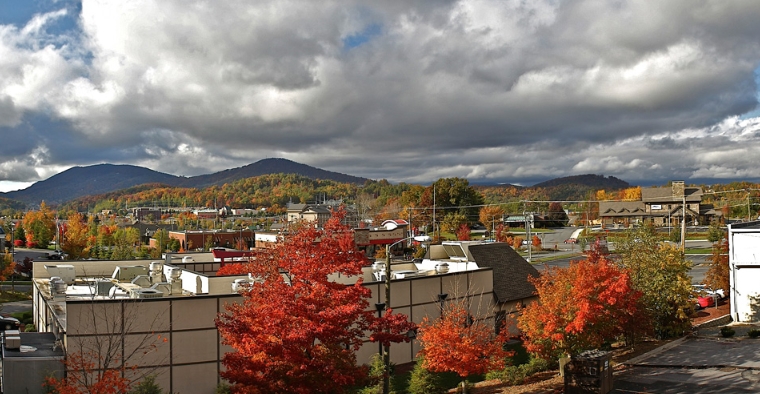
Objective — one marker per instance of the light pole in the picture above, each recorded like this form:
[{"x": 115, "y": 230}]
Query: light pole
[
  {"x": 13, "y": 241},
  {"x": 387, "y": 353}
]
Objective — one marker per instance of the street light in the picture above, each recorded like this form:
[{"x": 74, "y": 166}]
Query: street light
[{"x": 387, "y": 353}]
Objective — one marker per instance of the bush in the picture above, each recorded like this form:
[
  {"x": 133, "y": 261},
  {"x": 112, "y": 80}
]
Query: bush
[
  {"x": 516, "y": 374},
  {"x": 753, "y": 333},
  {"x": 423, "y": 381},
  {"x": 375, "y": 376},
  {"x": 727, "y": 332},
  {"x": 147, "y": 386}
]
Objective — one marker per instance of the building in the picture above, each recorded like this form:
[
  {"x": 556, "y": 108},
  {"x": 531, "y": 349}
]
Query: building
[
  {"x": 146, "y": 214},
  {"x": 660, "y": 206},
  {"x": 171, "y": 305},
  {"x": 744, "y": 271},
  {"x": 199, "y": 240}
]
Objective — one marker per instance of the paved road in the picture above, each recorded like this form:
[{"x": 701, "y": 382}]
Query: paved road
[{"x": 695, "y": 365}]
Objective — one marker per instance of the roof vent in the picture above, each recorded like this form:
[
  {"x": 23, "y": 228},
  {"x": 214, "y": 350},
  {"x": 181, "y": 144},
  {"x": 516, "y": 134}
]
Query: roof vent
[{"x": 145, "y": 293}]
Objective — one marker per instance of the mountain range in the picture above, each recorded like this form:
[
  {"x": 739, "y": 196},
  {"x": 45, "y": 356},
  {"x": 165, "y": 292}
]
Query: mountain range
[{"x": 103, "y": 178}]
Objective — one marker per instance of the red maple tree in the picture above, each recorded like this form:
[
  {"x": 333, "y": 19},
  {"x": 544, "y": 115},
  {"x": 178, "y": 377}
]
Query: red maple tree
[
  {"x": 463, "y": 232},
  {"x": 579, "y": 307},
  {"x": 456, "y": 342},
  {"x": 84, "y": 377},
  {"x": 297, "y": 330}
]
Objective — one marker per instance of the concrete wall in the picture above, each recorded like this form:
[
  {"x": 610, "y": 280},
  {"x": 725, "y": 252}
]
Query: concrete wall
[
  {"x": 744, "y": 264},
  {"x": 176, "y": 337}
]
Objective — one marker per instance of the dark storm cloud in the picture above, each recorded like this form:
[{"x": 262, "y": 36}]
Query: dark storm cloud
[{"x": 502, "y": 91}]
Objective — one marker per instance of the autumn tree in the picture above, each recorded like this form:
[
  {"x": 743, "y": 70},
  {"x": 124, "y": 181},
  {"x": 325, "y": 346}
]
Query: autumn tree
[
  {"x": 463, "y": 232},
  {"x": 457, "y": 342},
  {"x": 718, "y": 274},
  {"x": 490, "y": 215},
  {"x": 39, "y": 227},
  {"x": 501, "y": 233},
  {"x": 296, "y": 330},
  {"x": 76, "y": 237},
  {"x": 660, "y": 271},
  {"x": 557, "y": 215},
  {"x": 535, "y": 242},
  {"x": 579, "y": 307}
]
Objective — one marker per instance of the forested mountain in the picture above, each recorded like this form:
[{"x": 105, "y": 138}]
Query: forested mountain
[
  {"x": 84, "y": 181},
  {"x": 265, "y": 167},
  {"x": 591, "y": 180},
  {"x": 104, "y": 178}
]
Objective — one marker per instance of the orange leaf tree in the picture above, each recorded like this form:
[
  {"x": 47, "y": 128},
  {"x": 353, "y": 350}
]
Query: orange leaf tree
[
  {"x": 455, "y": 342},
  {"x": 297, "y": 330},
  {"x": 463, "y": 232},
  {"x": 76, "y": 237},
  {"x": 717, "y": 275},
  {"x": 579, "y": 307},
  {"x": 84, "y": 377}
]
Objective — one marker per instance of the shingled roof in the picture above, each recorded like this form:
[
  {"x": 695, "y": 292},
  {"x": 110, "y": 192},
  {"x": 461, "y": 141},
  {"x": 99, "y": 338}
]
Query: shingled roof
[{"x": 510, "y": 271}]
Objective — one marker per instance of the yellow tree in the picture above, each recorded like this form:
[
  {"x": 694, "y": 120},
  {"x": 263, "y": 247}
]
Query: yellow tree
[
  {"x": 76, "y": 237},
  {"x": 39, "y": 226},
  {"x": 490, "y": 215}
]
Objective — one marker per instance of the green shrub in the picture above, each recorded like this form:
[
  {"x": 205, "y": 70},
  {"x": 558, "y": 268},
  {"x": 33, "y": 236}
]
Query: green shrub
[
  {"x": 376, "y": 371},
  {"x": 727, "y": 332},
  {"x": 423, "y": 381},
  {"x": 516, "y": 374},
  {"x": 753, "y": 333},
  {"x": 147, "y": 386},
  {"x": 223, "y": 388}
]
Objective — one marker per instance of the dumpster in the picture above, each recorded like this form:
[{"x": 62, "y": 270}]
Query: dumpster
[{"x": 589, "y": 372}]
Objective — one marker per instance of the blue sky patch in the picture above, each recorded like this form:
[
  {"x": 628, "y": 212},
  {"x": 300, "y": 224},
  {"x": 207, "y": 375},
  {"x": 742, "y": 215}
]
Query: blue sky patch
[{"x": 358, "y": 39}]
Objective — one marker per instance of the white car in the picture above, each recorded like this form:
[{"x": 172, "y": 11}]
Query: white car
[{"x": 702, "y": 289}]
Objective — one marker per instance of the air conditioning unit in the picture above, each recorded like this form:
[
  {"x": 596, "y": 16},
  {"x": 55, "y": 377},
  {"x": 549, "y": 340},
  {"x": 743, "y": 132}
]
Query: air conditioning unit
[
  {"x": 103, "y": 286},
  {"x": 64, "y": 271},
  {"x": 142, "y": 281},
  {"x": 125, "y": 273},
  {"x": 164, "y": 287},
  {"x": 145, "y": 293}
]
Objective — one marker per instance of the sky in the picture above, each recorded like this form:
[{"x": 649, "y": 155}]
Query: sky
[{"x": 495, "y": 91}]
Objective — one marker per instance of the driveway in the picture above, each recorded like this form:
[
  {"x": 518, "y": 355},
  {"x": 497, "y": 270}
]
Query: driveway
[{"x": 705, "y": 364}]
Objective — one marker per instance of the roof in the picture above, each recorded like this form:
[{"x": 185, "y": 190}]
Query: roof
[
  {"x": 665, "y": 194},
  {"x": 510, "y": 271},
  {"x": 621, "y": 208}
]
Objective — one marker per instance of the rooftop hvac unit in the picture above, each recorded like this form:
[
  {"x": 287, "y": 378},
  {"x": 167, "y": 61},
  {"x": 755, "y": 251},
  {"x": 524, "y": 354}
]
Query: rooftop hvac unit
[
  {"x": 156, "y": 272},
  {"x": 103, "y": 286},
  {"x": 142, "y": 281},
  {"x": 57, "y": 287},
  {"x": 164, "y": 287},
  {"x": 187, "y": 259},
  {"x": 174, "y": 273},
  {"x": 64, "y": 271},
  {"x": 125, "y": 273},
  {"x": 145, "y": 293}
]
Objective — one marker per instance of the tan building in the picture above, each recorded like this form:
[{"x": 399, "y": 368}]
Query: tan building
[
  {"x": 172, "y": 304},
  {"x": 661, "y": 206}
]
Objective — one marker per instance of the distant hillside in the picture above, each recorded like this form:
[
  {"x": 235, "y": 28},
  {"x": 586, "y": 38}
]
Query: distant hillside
[
  {"x": 590, "y": 180},
  {"x": 104, "y": 178},
  {"x": 266, "y": 167},
  {"x": 83, "y": 181}
]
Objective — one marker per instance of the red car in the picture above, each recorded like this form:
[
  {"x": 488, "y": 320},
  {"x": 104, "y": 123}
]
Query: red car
[
  {"x": 571, "y": 241},
  {"x": 707, "y": 301}
]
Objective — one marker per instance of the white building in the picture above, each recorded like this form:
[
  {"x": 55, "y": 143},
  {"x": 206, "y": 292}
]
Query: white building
[
  {"x": 126, "y": 303},
  {"x": 744, "y": 271}
]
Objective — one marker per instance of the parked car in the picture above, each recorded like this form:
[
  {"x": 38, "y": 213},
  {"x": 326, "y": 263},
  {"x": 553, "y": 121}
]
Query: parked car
[
  {"x": 571, "y": 241},
  {"x": 9, "y": 323},
  {"x": 705, "y": 302},
  {"x": 704, "y": 290}
]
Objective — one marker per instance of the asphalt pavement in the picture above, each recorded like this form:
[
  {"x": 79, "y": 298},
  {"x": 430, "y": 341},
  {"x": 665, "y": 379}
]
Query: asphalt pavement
[{"x": 707, "y": 363}]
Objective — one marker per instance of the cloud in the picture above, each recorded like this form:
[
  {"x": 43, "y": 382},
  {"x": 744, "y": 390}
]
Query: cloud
[{"x": 502, "y": 91}]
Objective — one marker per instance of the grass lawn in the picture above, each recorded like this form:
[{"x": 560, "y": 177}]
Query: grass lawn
[
  {"x": 698, "y": 250},
  {"x": 10, "y": 296}
]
